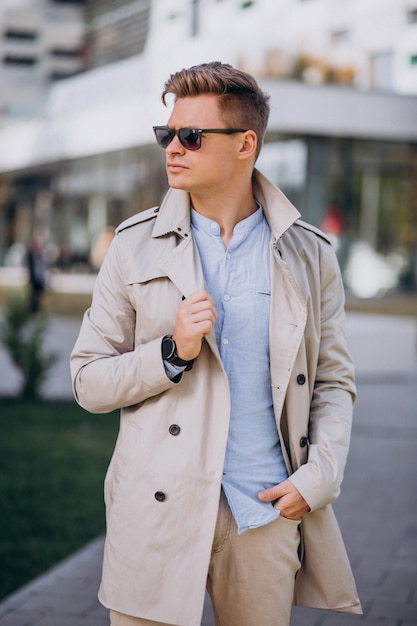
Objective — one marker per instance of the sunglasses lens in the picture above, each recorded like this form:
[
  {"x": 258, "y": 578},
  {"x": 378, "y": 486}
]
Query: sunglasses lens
[
  {"x": 190, "y": 138},
  {"x": 164, "y": 136}
]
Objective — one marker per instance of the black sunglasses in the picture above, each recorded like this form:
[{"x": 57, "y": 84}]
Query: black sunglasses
[{"x": 190, "y": 138}]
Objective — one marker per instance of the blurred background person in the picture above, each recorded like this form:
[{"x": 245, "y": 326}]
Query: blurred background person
[{"x": 37, "y": 273}]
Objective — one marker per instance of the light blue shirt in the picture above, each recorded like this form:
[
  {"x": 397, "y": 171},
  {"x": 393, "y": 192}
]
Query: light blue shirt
[{"x": 238, "y": 279}]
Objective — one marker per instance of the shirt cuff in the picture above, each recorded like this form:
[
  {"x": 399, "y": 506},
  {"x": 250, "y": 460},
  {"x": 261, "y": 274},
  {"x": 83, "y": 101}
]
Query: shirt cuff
[{"x": 172, "y": 371}]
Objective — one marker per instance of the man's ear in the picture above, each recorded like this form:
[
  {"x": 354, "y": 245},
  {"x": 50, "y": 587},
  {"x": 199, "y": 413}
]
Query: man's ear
[{"x": 249, "y": 145}]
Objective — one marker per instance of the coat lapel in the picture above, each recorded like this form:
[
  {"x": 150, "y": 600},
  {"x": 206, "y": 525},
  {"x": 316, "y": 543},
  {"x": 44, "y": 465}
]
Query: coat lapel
[
  {"x": 182, "y": 263},
  {"x": 288, "y": 308},
  {"x": 287, "y": 324},
  {"x": 183, "y": 267}
]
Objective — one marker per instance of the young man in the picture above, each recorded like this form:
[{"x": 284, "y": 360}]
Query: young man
[{"x": 217, "y": 326}]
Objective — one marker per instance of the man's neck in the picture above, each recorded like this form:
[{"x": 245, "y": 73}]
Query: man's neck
[{"x": 227, "y": 209}]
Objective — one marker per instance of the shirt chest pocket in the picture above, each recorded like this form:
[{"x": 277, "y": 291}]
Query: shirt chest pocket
[
  {"x": 262, "y": 306},
  {"x": 248, "y": 311}
]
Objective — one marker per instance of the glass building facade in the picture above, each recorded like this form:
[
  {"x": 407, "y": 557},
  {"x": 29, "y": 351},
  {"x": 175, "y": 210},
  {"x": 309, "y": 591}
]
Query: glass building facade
[
  {"x": 363, "y": 193},
  {"x": 116, "y": 29}
]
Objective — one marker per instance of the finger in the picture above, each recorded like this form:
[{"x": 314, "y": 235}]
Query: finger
[
  {"x": 198, "y": 312},
  {"x": 189, "y": 319},
  {"x": 198, "y": 296},
  {"x": 199, "y": 307},
  {"x": 269, "y": 495},
  {"x": 202, "y": 316}
]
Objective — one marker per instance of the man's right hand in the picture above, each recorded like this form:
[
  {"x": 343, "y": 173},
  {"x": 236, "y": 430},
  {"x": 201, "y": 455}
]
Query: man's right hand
[{"x": 195, "y": 319}]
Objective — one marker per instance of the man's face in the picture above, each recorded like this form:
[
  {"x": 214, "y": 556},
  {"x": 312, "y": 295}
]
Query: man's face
[{"x": 212, "y": 166}]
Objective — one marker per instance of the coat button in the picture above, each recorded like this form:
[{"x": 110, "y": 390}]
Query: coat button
[
  {"x": 303, "y": 442},
  {"x": 160, "y": 496},
  {"x": 174, "y": 429},
  {"x": 301, "y": 379}
]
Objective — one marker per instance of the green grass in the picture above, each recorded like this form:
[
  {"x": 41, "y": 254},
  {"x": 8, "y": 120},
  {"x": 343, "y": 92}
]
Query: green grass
[{"x": 53, "y": 457}]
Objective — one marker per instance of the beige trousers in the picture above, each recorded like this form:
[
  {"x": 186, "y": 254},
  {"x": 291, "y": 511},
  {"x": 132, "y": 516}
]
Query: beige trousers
[{"x": 251, "y": 576}]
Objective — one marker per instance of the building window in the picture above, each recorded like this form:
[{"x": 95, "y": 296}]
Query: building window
[
  {"x": 26, "y": 61},
  {"x": 116, "y": 30},
  {"x": 68, "y": 2},
  {"x": 382, "y": 70},
  {"x": 341, "y": 35},
  {"x": 55, "y": 76},
  {"x": 412, "y": 16},
  {"x": 195, "y": 17},
  {"x": 21, "y": 35},
  {"x": 62, "y": 53}
]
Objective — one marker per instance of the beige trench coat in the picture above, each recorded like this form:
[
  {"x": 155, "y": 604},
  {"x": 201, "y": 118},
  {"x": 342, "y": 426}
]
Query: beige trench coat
[{"x": 157, "y": 552}]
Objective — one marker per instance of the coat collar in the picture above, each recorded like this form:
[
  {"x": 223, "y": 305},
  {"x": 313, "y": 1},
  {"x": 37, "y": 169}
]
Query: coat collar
[
  {"x": 174, "y": 214},
  {"x": 279, "y": 211}
]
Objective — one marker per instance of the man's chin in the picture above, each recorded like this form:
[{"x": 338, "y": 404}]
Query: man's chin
[{"x": 175, "y": 183}]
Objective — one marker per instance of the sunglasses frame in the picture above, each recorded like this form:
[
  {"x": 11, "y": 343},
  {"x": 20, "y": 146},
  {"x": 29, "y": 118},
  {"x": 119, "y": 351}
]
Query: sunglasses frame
[{"x": 198, "y": 131}]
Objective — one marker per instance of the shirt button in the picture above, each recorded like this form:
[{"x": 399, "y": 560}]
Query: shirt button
[
  {"x": 303, "y": 442},
  {"x": 225, "y": 342},
  {"x": 160, "y": 496},
  {"x": 174, "y": 429},
  {"x": 301, "y": 379},
  {"x": 228, "y": 255},
  {"x": 213, "y": 226},
  {"x": 226, "y": 297}
]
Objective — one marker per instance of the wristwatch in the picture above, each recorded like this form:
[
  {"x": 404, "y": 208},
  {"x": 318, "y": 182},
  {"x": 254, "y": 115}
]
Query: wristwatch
[{"x": 169, "y": 353}]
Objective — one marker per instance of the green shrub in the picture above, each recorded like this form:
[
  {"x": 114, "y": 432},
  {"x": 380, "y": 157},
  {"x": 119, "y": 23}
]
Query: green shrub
[{"x": 22, "y": 334}]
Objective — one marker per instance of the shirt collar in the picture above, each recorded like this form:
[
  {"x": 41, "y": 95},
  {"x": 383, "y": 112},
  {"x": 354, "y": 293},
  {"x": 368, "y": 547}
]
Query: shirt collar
[
  {"x": 211, "y": 227},
  {"x": 174, "y": 213}
]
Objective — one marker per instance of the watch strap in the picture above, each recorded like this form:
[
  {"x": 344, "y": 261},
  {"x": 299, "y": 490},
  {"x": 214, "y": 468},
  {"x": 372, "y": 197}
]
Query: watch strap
[{"x": 169, "y": 354}]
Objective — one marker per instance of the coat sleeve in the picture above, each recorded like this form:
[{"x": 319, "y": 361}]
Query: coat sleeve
[
  {"x": 319, "y": 479},
  {"x": 108, "y": 371}
]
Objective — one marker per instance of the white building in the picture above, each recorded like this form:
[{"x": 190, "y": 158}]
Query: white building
[
  {"x": 367, "y": 43},
  {"x": 341, "y": 140},
  {"x": 40, "y": 41}
]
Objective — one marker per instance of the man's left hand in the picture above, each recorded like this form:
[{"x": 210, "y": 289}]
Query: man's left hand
[{"x": 290, "y": 502}]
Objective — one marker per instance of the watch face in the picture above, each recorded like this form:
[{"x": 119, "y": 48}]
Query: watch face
[{"x": 168, "y": 348}]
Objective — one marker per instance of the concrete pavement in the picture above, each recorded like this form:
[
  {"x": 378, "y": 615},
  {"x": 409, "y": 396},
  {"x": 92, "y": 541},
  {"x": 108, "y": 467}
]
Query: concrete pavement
[{"x": 377, "y": 509}]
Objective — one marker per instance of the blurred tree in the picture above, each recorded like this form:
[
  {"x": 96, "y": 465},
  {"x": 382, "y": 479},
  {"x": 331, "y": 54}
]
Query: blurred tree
[{"x": 22, "y": 334}]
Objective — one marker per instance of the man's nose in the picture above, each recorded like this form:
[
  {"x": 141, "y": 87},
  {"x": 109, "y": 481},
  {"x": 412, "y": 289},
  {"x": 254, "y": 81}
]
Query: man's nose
[{"x": 175, "y": 146}]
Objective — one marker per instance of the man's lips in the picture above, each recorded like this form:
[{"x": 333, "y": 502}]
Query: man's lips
[{"x": 173, "y": 166}]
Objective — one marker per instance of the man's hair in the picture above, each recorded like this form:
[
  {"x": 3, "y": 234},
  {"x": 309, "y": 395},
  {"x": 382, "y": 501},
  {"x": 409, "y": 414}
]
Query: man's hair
[{"x": 242, "y": 103}]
